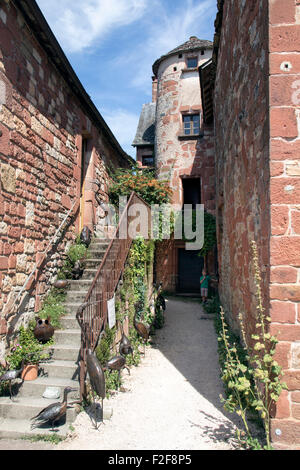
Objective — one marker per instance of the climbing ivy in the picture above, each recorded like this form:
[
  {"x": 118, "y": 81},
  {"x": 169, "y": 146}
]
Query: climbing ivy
[{"x": 132, "y": 292}]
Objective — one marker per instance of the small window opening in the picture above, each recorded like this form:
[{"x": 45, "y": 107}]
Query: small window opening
[
  {"x": 175, "y": 69},
  {"x": 147, "y": 160},
  {"x": 192, "y": 62},
  {"x": 191, "y": 124}
]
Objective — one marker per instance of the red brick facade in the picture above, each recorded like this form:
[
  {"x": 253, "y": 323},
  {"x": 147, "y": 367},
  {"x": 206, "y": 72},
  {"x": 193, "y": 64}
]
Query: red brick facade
[
  {"x": 43, "y": 122},
  {"x": 257, "y": 122}
]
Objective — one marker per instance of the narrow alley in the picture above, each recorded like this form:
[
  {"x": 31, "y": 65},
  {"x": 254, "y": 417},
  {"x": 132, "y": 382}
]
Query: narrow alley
[{"x": 172, "y": 398}]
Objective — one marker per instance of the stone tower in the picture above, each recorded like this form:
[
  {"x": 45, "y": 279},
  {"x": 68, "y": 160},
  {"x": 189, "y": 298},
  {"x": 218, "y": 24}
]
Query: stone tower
[{"x": 180, "y": 143}]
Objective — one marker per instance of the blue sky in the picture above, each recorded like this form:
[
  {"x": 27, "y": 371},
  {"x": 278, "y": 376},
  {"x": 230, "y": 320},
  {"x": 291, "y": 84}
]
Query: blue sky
[{"x": 112, "y": 45}]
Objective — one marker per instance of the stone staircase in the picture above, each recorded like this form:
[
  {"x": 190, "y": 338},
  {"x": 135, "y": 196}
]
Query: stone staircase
[{"x": 61, "y": 371}]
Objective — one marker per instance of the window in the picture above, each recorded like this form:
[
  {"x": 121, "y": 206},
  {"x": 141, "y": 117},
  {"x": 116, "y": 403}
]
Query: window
[
  {"x": 148, "y": 160},
  {"x": 191, "y": 124},
  {"x": 192, "y": 62}
]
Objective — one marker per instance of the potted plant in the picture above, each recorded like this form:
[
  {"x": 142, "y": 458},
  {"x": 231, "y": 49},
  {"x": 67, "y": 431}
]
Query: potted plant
[{"x": 29, "y": 349}]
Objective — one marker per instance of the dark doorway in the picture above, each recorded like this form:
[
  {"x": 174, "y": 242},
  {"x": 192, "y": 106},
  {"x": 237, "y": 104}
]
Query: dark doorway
[
  {"x": 191, "y": 191},
  {"x": 190, "y": 267}
]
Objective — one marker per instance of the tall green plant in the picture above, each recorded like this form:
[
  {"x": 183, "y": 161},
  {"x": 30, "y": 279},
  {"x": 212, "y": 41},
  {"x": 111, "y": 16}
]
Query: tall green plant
[{"x": 254, "y": 385}]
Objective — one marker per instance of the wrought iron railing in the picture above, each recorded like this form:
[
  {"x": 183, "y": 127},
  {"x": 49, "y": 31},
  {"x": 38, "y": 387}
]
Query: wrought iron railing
[{"x": 92, "y": 315}]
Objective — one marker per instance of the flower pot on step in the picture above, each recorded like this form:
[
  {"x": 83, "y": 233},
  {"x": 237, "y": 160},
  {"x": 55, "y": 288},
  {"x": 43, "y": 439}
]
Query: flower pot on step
[{"x": 30, "y": 372}]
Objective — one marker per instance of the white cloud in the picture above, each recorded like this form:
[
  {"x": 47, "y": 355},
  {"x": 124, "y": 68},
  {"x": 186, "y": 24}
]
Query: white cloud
[
  {"x": 78, "y": 25},
  {"x": 168, "y": 31}
]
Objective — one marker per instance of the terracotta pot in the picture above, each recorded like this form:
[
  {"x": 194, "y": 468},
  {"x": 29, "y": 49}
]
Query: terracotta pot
[{"x": 30, "y": 372}]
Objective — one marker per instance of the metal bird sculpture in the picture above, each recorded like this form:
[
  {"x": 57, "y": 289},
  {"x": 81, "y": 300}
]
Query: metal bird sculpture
[
  {"x": 97, "y": 379},
  {"x": 86, "y": 236},
  {"x": 142, "y": 329},
  {"x": 160, "y": 300},
  {"x": 10, "y": 375},
  {"x": 125, "y": 347},
  {"x": 77, "y": 271},
  {"x": 53, "y": 412},
  {"x": 117, "y": 363}
]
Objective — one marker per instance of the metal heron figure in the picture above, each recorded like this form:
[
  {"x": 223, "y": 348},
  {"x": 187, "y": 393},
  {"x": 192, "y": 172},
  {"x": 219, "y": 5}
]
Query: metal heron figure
[
  {"x": 117, "y": 363},
  {"x": 53, "y": 412},
  {"x": 10, "y": 375},
  {"x": 142, "y": 329},
  {"x": 94, "y": 368},
  {"x": 97, "y": 379},
  {"x": 125, "y": 347}
]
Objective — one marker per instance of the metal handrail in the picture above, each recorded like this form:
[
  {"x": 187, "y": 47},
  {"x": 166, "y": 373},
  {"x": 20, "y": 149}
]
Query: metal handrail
[
  {"x": 92, "y": 315},
  {"x": 10, "y": 306}
]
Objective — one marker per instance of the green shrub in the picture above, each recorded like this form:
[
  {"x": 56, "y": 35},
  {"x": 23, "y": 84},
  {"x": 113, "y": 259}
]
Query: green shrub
[{"x": 27, "y": 348}]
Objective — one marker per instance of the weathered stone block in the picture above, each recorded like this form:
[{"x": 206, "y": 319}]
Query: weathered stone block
[
  {"x": 8, "y": 178},
  {"x": 283, "y": 312},
  {"x": 296, "y": 356},
  {"x": 284, "y": 123}
]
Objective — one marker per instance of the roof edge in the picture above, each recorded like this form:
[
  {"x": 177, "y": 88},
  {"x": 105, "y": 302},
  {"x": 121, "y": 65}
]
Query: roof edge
[{"x": 179, "y": 50}]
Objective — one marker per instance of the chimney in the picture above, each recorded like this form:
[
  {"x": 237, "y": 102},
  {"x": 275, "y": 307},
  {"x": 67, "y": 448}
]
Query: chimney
[{"x": 154, "y": 89}]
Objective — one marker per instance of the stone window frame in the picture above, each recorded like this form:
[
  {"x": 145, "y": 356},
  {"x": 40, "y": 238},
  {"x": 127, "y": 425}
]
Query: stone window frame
[
  {"x": 191, "y": 57},
  {"x": 148, "y": 157},
  {"x": 182, "y": 134}
]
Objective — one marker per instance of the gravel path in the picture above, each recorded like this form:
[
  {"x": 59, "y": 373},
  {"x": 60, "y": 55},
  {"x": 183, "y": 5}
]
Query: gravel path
[{"x": 172, "y": 399}]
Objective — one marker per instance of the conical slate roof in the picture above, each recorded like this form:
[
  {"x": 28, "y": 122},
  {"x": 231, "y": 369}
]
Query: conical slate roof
[{"x": 193, "y": 44}]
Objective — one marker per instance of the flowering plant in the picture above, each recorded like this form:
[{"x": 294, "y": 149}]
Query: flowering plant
[
  {"x": 143, "y": 182},
  {"x": 27, "y": 348}
]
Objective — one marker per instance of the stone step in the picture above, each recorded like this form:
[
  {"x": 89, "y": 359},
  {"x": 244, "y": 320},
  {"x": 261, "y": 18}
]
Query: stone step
[
  {"x": 61, "y": 369},
  {"x": 65, "y": 352},
  {"x": 98, "y": 254},
  {"x": 76, "y": 296},
  {"x": 80, "y": 284},
  {"x": 71, "y": 308},
  {"x": 27, "y": 407},
  {"x": 20, "y": 428},
  {"x": 70, "y": 337},
  {"x": 92, "y": 263},
  {"x": 36, "y": 388},
  {"x": 69, "y": 322},
  {"x": 89, "y": 274}
]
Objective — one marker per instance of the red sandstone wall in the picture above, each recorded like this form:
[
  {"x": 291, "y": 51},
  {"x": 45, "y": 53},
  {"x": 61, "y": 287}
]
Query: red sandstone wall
[
  {"x": 257, "y": 154},
  {"x": 41, "y": 123},
  {"x": 242, "y": 153},
  {"x": 285, "y": 211}
]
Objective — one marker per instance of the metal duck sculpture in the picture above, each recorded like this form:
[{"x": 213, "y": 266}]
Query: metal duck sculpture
[
  {"x": 10, "y": 375},
  {"x": 53, "y": 412}
]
